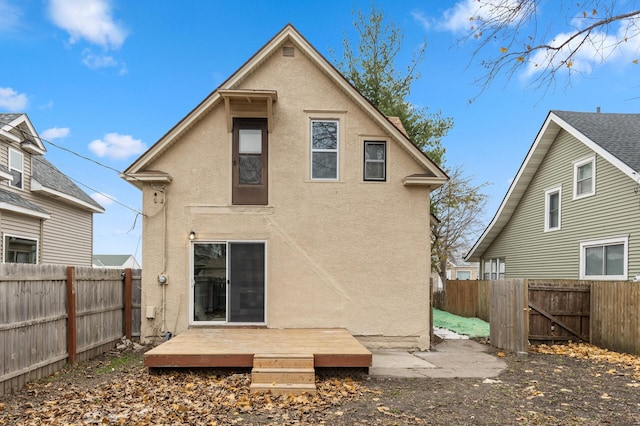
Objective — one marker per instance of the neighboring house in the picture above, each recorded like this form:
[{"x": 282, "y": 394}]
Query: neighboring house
[
  {"x": 120, "y": 261},
  {"x": 44, "y": 216},
  {"x": 573, "y": 210},
  {"x": 459, "y": 269},
  {"x": 286, "y": 200}
]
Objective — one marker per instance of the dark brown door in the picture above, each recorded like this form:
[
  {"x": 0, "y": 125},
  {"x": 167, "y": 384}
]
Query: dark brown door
[{"x": 250, "y": 161}]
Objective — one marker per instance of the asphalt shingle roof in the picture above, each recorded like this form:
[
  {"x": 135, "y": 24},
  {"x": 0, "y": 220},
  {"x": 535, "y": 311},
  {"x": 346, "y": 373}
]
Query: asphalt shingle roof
[
  {"x": 619, "y": 134},
  {"x": 8, "y": 118},
  {"x": 49, "y": 176},
  {"x": 16, "y": 200}
]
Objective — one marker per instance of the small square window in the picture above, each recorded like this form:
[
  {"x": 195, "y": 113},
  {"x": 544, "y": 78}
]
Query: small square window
[{"x": 375, "y": 160}]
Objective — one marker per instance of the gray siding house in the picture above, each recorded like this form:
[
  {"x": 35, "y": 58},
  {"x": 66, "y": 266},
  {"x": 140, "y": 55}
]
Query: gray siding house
[
  {"x": 44, "y": 216},
  {"x": 573, "y": 209}
]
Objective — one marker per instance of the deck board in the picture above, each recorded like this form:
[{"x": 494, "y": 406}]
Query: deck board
[{"x": 235, "y": 347}]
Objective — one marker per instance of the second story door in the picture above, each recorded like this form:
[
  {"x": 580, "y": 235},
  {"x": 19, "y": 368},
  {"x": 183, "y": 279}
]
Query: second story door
[{"x": 250, "y": 161}]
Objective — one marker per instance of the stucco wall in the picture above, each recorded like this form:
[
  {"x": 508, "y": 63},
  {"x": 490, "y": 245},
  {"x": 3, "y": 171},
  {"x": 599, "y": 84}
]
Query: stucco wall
[{"x": 348, "y": 254}]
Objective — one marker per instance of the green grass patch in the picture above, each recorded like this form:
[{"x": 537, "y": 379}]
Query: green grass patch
[
  {"x": 119, "y": 363},
  {"x": 472, "y": 327}
]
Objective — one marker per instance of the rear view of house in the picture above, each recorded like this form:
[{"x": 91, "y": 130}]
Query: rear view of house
[
  {"x": 286, "y": 200},
  {"x": 572, "y": 211},
  {"x": 44, "y": 216}
]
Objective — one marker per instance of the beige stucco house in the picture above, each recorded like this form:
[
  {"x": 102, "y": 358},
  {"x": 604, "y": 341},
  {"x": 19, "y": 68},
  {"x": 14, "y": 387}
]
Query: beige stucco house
[
  {"x": 286, "y": 200},
  {"x": 44, "y": 216}
]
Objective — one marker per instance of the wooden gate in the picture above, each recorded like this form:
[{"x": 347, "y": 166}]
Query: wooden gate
[{"x": 559, "y": 311}]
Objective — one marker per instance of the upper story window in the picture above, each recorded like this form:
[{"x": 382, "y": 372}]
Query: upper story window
[
  {"x": 604, "y": 259},
  {"x": 584, "y": 178},
  {"x": 250, "y": 181},
  {"x": 16, "y": 167},
  {"x": 375, "y": 160},
  {"x": 553, "y": 198},
  {"x": 324, "y": 149}
]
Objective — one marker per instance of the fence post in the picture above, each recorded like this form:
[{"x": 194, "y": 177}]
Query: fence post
[
  {"x": 128, "y": 301},
  {"x": 72, "y": 332}
]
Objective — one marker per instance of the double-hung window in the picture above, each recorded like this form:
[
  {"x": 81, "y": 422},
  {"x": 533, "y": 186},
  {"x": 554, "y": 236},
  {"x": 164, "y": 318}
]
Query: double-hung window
[
  {"x": 584, "y": 178},
  {"x": 604, "y": 259},
  {"x": 324, "y": 149},
  {"x": 552, "y": 208},
  {"x": 16, "y": 168},
  {"x": 375, "y": 160}
]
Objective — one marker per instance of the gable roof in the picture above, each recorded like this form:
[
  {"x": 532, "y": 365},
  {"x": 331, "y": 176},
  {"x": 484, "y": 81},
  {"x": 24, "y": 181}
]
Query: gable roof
[
  {"x": 17, "y": 128},
  {"x": 114, "y": 260},
  {"x": 614, "y": 137},
  {"x": 433, "y": 175},
  {"x": 47, "y": 179}
]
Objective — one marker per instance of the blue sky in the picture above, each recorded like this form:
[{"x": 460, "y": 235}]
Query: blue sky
[{"x": 107, "y": 78}]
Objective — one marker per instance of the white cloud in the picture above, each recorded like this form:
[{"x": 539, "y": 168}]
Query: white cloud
[
  {"x": 90, "y": 20},
  {"x": 117, "y": 146},
  {"x": 103, "y": 199},
  {"x": 12, "y": 101},
  {"x": 10, "y": 17},
  {"x": 425, "y": 21},
  {"x": 94, "y": 61},
  {"x": 461, "y": 17},
  {"x": 55, "y": 133},
  {"x": 601, "y": 48}
]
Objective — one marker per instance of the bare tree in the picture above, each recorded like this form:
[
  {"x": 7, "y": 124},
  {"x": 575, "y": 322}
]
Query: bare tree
[
  {"x": 458, "y": 205},
  {"x": 583, "y": 33}
]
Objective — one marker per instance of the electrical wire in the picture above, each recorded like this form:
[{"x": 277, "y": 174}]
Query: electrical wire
[{"x": 24, "y": 134}]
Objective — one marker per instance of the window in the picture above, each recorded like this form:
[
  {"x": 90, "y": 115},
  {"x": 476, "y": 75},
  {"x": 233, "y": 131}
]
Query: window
[
  {"x": 494, "y": 269},
  {"x": 463, "y": 275},
  {"x": 552, "y": 209},
  {"x": 16, "y": 167},
  {"x": 324, "y": 149},
  {"x": 250, "y": 161},
  {"x": 604, "y": 259},
  {"x": 20, "y": 250},
  {"x": 375, "y": 160},
  {"x": 584, "y": 178}
]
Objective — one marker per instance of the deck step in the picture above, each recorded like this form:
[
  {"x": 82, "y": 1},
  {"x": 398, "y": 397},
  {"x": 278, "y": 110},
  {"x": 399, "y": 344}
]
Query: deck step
[
  {"x": 283, "y": 388},
  {"x": 283, "y": 361},
  {"x": 283, "y": 374}
]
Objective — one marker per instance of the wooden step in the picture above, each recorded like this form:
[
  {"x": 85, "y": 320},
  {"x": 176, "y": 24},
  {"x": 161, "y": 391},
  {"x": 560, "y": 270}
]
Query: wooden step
[
  {"x": 283, "y": 361},
  {"x": 283, "y": 388},
  {"x": 283, "y": 374}
]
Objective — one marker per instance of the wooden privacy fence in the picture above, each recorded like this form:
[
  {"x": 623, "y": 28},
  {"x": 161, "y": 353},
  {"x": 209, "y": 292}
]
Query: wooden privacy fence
[
  {"x": 53, "y": 314},
  {"x": 467, "y": 298},
  {"x": 605, "y": 313}
]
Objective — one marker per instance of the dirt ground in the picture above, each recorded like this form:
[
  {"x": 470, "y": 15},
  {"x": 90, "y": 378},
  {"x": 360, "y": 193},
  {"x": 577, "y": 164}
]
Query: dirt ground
[{"x": 576, "y": 387}]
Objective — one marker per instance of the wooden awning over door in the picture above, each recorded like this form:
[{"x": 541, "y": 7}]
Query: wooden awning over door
[{"x": 249, "y": 104}]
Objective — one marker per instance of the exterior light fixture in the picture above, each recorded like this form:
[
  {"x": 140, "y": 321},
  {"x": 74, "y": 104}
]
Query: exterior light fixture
[{"x": 192, "y": 235}]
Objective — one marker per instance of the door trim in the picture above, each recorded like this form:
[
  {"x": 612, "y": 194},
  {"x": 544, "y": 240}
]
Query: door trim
[{"x": 191, "y": 282}]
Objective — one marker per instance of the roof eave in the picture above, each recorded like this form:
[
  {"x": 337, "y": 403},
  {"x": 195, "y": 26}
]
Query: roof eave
[{"x": 38, "y": 187}]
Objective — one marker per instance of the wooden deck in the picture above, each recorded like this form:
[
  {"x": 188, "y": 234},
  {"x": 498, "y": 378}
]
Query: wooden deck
[{"x": 236, "y": 347}]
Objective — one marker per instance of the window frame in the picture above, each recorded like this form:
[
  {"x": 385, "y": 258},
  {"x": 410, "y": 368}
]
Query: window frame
[
  {"x": 576, "y": 167},
  {"x": 11, "y": 168},
  {"x": 497, "y": 273},
  {"x": 249, "y": 193},
  {"x": 466, "y": 271},
  {"x": 613, "y": 241},
  {"x": 5, "y": 248},
  {"x": 316, "y": 150},
  {"x": 365, "y": 160},
  {"x": 547, "y": 208}
]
